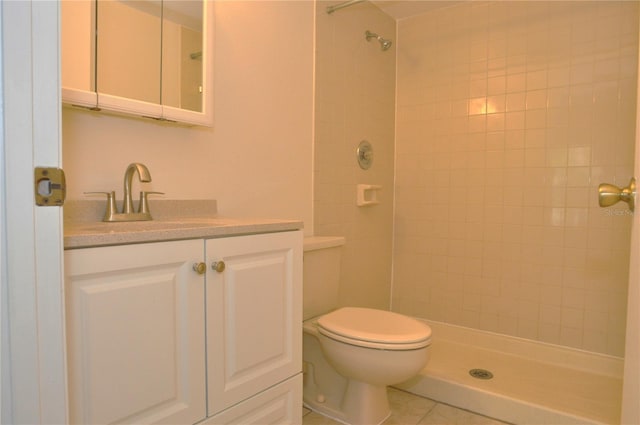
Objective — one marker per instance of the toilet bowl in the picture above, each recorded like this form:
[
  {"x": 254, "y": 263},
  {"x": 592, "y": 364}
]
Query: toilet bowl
[
  {"x": 362, "y": 351},
  {"x": 350, "y": 355}
]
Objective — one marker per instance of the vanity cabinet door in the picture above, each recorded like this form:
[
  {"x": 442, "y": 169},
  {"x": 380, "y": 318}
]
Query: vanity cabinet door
[
  {"x": 135, "y": 334},
  {"x": 254, "y": 315}
]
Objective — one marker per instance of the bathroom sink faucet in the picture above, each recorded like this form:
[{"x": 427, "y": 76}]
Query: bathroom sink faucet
[
  {"x": 128, "y": 213},
  {"x": 143, "y": 175}
]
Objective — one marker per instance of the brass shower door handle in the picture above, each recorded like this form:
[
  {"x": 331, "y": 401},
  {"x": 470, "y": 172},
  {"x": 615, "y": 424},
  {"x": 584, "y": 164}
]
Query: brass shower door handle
[{"x": 609, "y": 194}]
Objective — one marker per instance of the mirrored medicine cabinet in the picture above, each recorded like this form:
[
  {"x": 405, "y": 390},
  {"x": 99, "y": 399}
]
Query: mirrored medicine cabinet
[{"x": 150, "y": 58}]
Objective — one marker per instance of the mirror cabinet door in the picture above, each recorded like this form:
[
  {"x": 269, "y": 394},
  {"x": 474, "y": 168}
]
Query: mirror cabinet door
[
  {"x": 129, "y": 49},
  {"x": 189, "y": 32},
  {"x": 78, "y": 52},
  {"x": 182, "y": 43}
]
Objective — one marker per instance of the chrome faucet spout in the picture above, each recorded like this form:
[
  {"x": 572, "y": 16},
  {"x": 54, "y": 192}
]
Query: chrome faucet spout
[{"x": 143, "y": 175}]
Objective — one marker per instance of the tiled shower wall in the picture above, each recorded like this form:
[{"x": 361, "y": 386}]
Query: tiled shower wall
[
  {"x": 355, "y": 101},
  {"x": 509, "y": 115}
]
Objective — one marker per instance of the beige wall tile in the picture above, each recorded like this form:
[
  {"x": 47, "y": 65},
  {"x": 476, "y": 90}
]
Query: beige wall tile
[
  {"x": 355, "y": 101},
  {"x": 547, "y": 114}
]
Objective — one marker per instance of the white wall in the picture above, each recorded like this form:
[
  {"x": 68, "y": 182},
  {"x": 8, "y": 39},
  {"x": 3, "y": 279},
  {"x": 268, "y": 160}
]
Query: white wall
[{"x": 256, "y": 160}]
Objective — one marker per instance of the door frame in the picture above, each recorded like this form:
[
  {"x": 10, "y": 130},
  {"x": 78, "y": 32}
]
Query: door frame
[
  {"x": 33, "y": 369},
  {"x": 631, "y": 377}
]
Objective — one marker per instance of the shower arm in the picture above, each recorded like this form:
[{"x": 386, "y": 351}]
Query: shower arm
[
  {"x": 384, "y": 43},
  {"x": 331, "y": 9},
  {"x": 371, "y": 35}
]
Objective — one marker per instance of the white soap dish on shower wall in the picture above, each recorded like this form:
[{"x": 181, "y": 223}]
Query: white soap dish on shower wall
[{"x": 367, "y": 194}]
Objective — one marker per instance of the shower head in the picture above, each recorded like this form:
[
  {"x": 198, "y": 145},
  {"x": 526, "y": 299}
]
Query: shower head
[{"x": 384, "y": 43}]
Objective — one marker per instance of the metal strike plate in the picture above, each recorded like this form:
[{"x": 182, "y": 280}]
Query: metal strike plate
[{"x": 50, "y": 186}]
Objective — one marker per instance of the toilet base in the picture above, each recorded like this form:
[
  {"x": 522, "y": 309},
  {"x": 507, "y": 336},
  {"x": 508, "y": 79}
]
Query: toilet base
[
  {"x": 347, "y": 401},
  {"x": 363, "y": 405}
]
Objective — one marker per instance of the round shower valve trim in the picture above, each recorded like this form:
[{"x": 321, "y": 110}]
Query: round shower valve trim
[{"x": 365, "y": 155}]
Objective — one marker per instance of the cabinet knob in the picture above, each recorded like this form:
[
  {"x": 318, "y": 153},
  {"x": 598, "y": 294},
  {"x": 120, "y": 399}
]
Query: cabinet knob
[
  {"x": 199, "y": 268},
  {"x": 218, "y": 266}
]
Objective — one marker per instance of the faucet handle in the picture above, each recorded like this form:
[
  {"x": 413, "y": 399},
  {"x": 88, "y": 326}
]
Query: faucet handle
[
  {"x": 111, "y": 204},
  {"x": 143, "y": 208}
]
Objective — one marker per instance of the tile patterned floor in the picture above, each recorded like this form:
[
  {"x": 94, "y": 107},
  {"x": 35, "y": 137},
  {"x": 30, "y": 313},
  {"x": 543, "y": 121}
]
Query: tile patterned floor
[{"x": 409, "y": 409}]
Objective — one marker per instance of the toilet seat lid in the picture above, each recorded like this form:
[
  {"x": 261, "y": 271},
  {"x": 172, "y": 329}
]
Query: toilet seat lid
[{"x": 374, "y": 326}]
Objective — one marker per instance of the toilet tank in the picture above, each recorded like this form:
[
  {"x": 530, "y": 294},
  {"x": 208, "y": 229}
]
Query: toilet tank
[{"x": 321, "y": 274}]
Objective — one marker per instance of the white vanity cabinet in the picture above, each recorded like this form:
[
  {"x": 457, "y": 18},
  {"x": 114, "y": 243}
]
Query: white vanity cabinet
[{"x": 150, "y": 340}]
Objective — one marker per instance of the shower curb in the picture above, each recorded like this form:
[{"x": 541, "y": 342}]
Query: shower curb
[{"x": 490, "y": 404}]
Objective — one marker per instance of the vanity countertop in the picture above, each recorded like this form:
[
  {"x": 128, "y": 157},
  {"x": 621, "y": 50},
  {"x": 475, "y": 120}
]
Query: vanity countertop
[{"x": 82, "y": 230}]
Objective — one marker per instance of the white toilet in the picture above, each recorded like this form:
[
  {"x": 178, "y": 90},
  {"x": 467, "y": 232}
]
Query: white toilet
[{"x": 352, "y": 354}]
